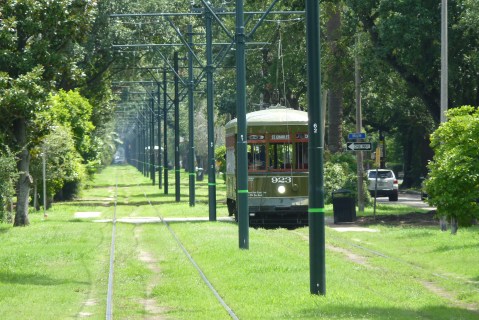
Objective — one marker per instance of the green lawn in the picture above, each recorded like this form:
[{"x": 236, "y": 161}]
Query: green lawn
[{"x": 57, "y": 268}]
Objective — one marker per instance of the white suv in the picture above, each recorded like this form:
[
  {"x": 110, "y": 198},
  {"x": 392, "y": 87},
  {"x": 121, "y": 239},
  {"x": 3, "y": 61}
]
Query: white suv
[{"x": 387, "y": 184}]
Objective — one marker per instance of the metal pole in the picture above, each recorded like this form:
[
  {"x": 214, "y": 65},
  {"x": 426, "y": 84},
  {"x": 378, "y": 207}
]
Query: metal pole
[
  {"x": 44, "y": 161},
  {"x": 147, "y": 140},
  {"x": 359, "y": 127},
  {"x": 152, "y": 140},
  {"x": 191, "y": 154},
  {"x": 165, "y": 132},
  {"x": 177, "y": 129},
  {"x": 138, "y": 148},
  {"x": 145, "y": 171},
  {"x": 241, "y": 139},
  {"x": 158, "y": 120},
  {"x": 316, "y": 151},
  {"x": 382, "y": 159},
  {"x": 210, "y": 108},
  {"x": 444, "y": 61},
  {"x": 444, "y": 78}
]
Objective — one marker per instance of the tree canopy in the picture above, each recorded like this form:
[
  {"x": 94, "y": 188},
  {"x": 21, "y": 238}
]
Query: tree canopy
[
  {"x": 59, "y": 68},
  {"x": 45, "y": 47}
]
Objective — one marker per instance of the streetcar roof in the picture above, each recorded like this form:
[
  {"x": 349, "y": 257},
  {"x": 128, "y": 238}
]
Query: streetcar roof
[{"x": 272, "y": 117}]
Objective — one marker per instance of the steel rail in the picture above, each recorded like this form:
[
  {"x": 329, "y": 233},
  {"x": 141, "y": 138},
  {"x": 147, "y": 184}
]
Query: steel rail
[
  {"x": 109, "y": 296},
  {"x": 193, "y": 262}
]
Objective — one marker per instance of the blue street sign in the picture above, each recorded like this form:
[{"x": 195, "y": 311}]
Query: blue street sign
[{"x": 357, "y": 135}]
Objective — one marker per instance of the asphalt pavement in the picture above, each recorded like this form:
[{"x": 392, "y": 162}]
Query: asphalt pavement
[{"x": 408, "y": 198}]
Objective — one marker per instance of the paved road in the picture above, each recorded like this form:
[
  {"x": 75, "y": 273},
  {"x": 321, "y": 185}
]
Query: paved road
[{"x": 409, "y": 199}]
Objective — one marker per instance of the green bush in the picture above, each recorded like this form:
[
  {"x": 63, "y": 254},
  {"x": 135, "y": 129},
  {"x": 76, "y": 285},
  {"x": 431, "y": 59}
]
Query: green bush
[
  {"x": 220, "y": 157},
  {"x": 335, "y": 178},
  {"x": 340, "y": 172},
  {"x": 64, "y": 169},
  {"x": 8, "y": 176},
  {"x": 453, "y": 181}
]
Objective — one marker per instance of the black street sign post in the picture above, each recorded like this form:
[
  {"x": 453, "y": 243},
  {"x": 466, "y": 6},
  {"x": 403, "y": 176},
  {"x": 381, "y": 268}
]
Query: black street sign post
[{"x": 359, "y": 146}]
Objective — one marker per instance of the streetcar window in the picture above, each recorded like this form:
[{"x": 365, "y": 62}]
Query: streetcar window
[
  {"x": 256, "y": 156},
  {"x": 280, "y": 155},
  {"x": 301, "y": 155},
  {"x": 230, "y": 160}
]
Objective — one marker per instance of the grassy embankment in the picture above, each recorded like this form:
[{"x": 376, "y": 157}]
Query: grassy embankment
[{"x": 57, "y": 268}]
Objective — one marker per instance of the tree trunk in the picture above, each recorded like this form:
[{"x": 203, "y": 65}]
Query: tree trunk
[
  {"x": 24, "y": 180},
  {"x": 417, "y": 153},
  {"x": 454, "y": 225},
  {"x": 334, "y": 72},
  {"x": 35, "y": 195},
  {"x": 443, "y": 223},
  {"x": 335, "y": 116}
]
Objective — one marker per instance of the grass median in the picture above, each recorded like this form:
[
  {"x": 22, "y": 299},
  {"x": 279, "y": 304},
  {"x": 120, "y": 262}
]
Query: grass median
[{"x": 58, "y": 267}]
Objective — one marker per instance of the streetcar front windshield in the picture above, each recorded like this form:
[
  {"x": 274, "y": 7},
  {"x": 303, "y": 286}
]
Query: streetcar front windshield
[
  {"x": 280, "y": 155},
  {"x": 287, "y": 156}
]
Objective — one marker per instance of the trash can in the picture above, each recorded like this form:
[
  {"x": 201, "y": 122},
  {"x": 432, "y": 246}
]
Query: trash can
[
  {"x": 199, "y": 174},
  {"x": 344, "y": 206}
]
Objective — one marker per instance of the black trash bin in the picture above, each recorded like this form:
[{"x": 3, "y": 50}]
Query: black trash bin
[
  {"x": 199, "y": 174},
  {"x": 344, "y": 206}
]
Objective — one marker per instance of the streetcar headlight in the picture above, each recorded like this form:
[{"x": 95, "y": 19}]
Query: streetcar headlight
[{"x": 281, "y": 189}]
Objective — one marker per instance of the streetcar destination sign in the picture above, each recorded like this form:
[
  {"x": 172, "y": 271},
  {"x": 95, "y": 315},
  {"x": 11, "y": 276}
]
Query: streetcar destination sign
[{"x": 359, "y": 146}]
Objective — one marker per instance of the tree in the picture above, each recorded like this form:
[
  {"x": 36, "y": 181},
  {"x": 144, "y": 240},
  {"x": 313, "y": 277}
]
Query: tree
[
  {"x": 335, "y": 75},
  {"x": 63, "y": 162},
  {"x": 19, "y": 100},
  {"x": 73, "y": 111},
  {"x": 404, "y": 40},
  {"x": 40, "y": 51},
  {"x": 453, "y": 182},
  {"x": 406, "y": 35}
]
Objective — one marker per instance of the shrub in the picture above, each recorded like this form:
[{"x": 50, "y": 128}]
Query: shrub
[
  {"x": 453, "y": 182},
  {"x": 8, "y": 176}
]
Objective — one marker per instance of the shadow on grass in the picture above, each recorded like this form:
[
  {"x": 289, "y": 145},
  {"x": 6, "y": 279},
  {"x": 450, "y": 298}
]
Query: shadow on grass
[
  {"x": 33, "y": 279},
  {"x": 430, "y": 312},
  {"x": 408, "y": 219},
  {"x": 133, "y": 203},
  {"x": 120, "y": 185},
  {"x": 453, "y": 248},
  {"x": 89, "y": 203}
]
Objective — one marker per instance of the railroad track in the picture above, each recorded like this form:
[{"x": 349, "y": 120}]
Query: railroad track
[{"x": 109, "y": 298}]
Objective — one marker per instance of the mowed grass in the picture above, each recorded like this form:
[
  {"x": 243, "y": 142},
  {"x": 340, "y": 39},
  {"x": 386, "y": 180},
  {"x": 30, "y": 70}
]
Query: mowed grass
[{"x": 57, "y": 268}]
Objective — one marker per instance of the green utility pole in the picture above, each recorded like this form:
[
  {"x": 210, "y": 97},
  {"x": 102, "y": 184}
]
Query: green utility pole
[
  {"x": 145, "y": 171},
  {"x": 152, "y": 139},
  {"x": 382, "y": 156},
  {"x": 177, "y": 127},
  {"x": 241, "y": 139},
  {"x": 165, "y": 137},
  {"x": 211, "y": 122},
  {"x": 158, "y": 120},
  {"x": 138, "y": 146},
  {"x": 147, "y": 138},
  {"x": 316, "y": 152},
  {"x": 191, "y": 154}
]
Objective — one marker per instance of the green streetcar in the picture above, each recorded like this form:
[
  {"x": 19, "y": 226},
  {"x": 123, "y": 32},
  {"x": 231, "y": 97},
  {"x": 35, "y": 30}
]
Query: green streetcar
[{"x": 277, "y": 166}]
